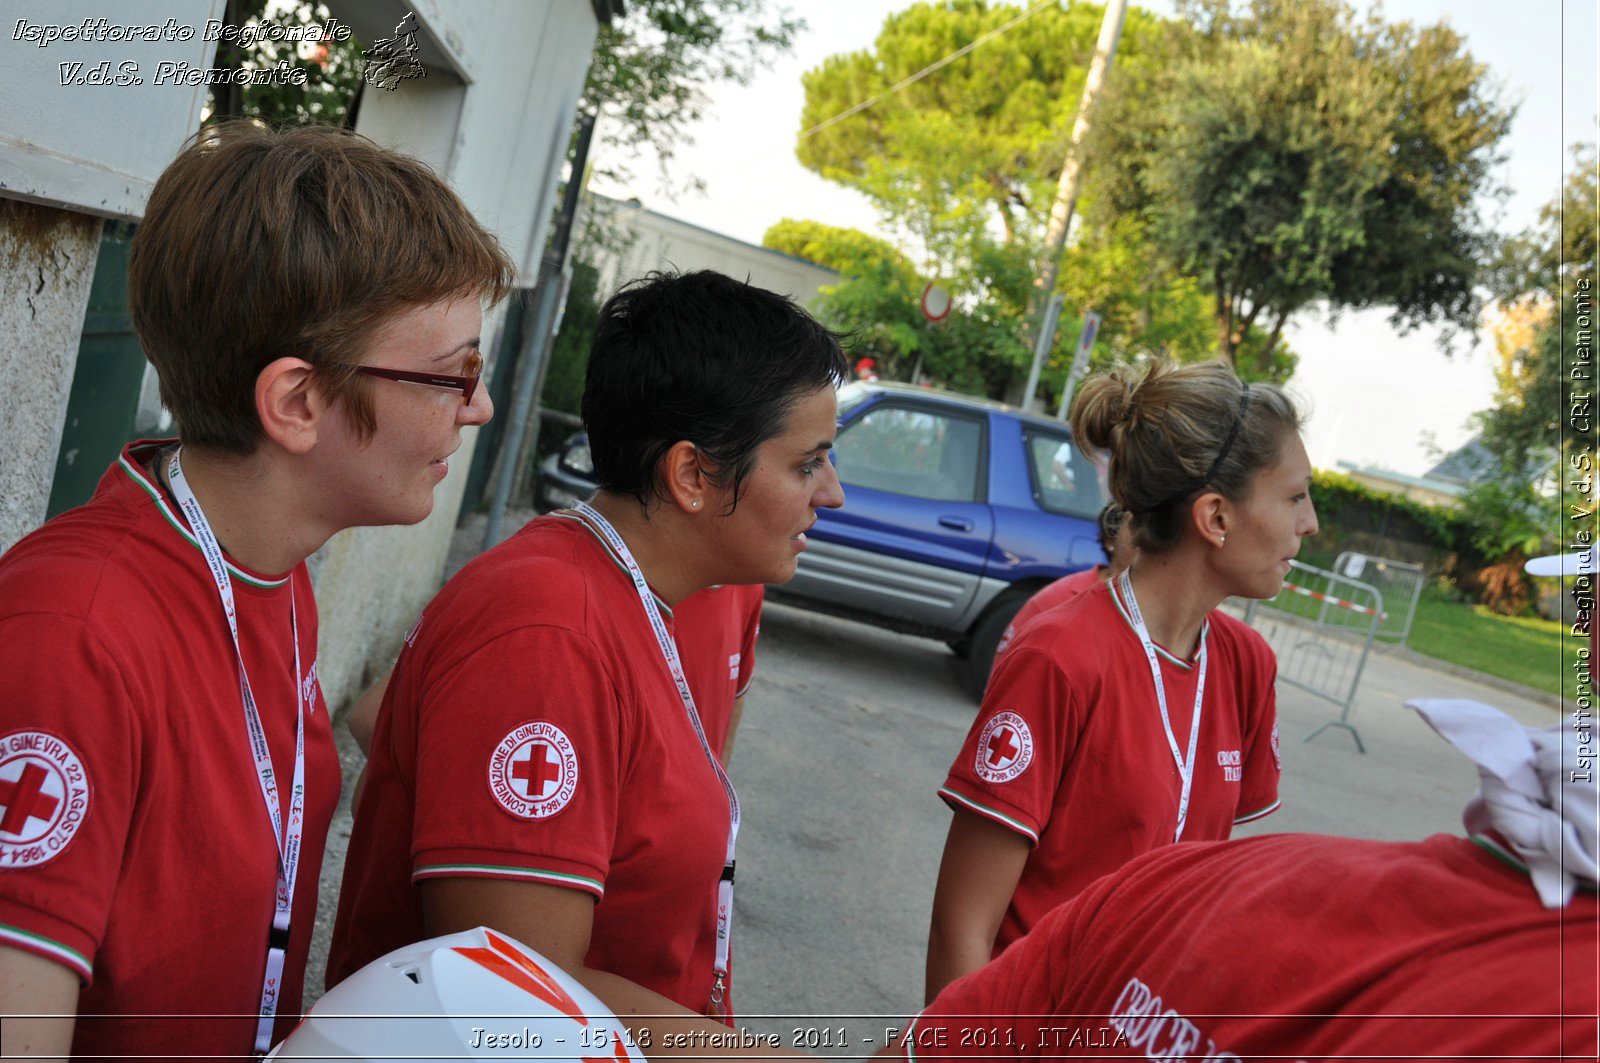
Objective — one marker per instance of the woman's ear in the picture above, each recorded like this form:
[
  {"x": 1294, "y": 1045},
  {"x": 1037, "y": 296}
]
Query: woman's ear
[
  {"x": 685, "y": 483},
  {"x": 1212, "y": 515},
  {"x": 289, "y": 404}
]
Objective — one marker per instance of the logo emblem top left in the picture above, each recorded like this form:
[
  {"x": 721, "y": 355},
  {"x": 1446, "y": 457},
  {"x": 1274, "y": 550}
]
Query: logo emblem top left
[{"x": 44, "y": 797}]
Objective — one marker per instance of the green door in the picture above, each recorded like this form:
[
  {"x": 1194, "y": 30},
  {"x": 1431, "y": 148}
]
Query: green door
[{"x": 113, "y": 397}]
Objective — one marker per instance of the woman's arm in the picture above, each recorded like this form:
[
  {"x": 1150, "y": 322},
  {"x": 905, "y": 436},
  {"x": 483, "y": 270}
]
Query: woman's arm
[
  {"x": 982, "y": 864},
  {"x": 31, "y": 985},
  {"x": 556, "y": 922}
]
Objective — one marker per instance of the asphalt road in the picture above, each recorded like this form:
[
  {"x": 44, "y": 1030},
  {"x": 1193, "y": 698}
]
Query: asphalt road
[{"x": 847, "y": 733}]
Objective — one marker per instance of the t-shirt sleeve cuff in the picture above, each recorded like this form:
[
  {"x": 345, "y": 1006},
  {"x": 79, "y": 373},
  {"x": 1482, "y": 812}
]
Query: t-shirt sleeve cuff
[
  {"x": 1260, "y": 809},
  {"x": 31, "y": 930},
  {"x": 964, "y": 799},
  {"x": 525, "y": 867}
]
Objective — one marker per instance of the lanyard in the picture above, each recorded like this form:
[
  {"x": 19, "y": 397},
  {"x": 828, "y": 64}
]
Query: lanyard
[
  {"x": 1185, "y": 765},
  {"x": 287, "y": 837},
  {"x": 669, "y": 651}
]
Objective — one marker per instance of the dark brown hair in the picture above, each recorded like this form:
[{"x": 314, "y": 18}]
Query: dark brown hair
[
  {"x": 259, "y": 244},
  {"x": 1171, "y": 433}
]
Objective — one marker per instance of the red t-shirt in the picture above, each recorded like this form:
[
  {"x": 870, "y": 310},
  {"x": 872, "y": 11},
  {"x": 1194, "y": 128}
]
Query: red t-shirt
[
  {"x": 1062, "y": 590},
  {"x": 1289, "y": 946},
  {"x": 1069, "y": 751},
  {"x": 134, "y": 844},
  {"x": 533, "y": 732},
  {"x": 716, "y": 631}
]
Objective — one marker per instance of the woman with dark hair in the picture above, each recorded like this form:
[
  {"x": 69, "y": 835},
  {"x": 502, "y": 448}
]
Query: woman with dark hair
[
  {"x": 539, "y": 765},
  {"x": 1135, "y": 714}
]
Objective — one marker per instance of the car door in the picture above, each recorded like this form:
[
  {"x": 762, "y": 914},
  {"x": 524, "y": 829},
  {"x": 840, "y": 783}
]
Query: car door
[{"x": 913, "y": 536}]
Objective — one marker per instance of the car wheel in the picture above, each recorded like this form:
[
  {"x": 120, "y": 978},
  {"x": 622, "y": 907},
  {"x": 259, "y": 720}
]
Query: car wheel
[{"x": 984, "y": 639}]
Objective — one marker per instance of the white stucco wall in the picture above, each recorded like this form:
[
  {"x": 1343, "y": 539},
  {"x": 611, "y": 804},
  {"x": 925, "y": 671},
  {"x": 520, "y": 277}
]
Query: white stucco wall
[
  {"x": 494, "y": 121},
  {"x": 70, "y": 155},
  {"x": 91, "y": 147},
  {"x": 46, "y": 265}
]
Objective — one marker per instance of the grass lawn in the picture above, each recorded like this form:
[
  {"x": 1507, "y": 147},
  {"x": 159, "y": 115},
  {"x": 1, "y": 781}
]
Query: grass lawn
[{"x": 1527, "y": 650}]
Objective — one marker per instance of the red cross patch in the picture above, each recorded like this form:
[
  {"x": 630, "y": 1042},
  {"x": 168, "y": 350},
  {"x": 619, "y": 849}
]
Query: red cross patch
[
  {"x": 44, "y": 797},
  {"x": 1005, "y": 748},
  {"x": 533, "y": 772}
]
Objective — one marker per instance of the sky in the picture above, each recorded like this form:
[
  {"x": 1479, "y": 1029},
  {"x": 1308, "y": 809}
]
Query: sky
[{"x": 1376, "y": 398}]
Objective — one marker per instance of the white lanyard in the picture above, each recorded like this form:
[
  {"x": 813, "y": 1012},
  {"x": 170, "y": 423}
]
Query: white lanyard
[
  {"x": 286, "y": 837},
  {"x": 1185, "y": 764},
  {"x": 669, "y": 651}
]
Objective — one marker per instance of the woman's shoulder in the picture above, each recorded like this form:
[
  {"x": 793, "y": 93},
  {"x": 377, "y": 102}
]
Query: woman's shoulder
[
  {"x": 1073, "y": 636},
  {"x": 542, "y": 575},
  {"x": 1233, "y": 636}
]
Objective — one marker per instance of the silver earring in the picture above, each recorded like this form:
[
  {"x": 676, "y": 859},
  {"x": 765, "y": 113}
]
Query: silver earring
[
  {"x": 695, "y": 504},
  {"x": 1221, "y": 539}
]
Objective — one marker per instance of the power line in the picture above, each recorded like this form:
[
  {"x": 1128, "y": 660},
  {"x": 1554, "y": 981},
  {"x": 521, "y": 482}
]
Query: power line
[
  {"x": 937, "y": 64},
  {"x": 857, "y": 108}
]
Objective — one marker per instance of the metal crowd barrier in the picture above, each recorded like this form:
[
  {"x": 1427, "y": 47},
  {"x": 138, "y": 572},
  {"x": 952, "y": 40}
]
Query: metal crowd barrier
[
  {"x": 1400, "y": 584},
  {"x": 1321, "y": 626}
]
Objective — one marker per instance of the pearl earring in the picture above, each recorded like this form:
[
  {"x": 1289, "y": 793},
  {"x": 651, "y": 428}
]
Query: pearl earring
[{"x": 1221, "y": 539}]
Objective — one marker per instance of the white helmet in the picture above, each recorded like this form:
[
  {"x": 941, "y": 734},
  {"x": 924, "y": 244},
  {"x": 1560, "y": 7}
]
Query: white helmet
[{"x": 456, "y": 996}]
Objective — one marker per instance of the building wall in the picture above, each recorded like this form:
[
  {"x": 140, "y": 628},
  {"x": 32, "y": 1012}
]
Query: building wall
[
  {"x": 655, "y": 241},
  {"x": 493, "y": 119},
  {"x": 1405, "y": 489},
  {"x": 46, "y": 264},
  {"x": 70, "y": 156}
]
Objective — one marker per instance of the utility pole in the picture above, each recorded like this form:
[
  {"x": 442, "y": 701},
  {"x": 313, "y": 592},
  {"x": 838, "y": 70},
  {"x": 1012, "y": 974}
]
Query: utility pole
[{"x": 1044, "y": 282}]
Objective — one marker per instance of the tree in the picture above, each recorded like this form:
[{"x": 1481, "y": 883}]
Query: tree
[
  {"x": 876, "y": 305},
  {"x": 962, "y": 166},
  {"x": 651, "y": 67},
  {"x": 1538, "y": 423},
  {"x": 1289, "y": 154},
  {"x": 333, "y": 69}
]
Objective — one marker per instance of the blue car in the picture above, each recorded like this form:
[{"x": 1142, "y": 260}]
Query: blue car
[{"x": 956, "y": 511}]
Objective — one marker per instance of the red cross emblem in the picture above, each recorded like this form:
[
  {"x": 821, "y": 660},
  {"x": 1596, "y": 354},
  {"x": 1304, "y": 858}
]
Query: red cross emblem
[
  {"x": 1002, "y": 747},
  {"x": 23, "y": 800},
  {"x": 538, "y": 770},
  {"x": 44, "y": 797},
  {"x": 533, "y": 771},
  {"x": 1005, "y": 748}
]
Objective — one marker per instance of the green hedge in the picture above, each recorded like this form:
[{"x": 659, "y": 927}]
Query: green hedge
[{"x": 1356, "y": 517}]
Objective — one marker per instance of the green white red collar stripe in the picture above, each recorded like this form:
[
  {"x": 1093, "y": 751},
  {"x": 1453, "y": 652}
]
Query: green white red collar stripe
[
  {"x": 138, "y": 475},
  {"x": 1492, "y": 845},
  {"x": 616, "y": 559},
  {"x": 1164, "y": 653}
]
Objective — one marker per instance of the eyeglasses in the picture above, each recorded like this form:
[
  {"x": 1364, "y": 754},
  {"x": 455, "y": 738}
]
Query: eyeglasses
[{"x": 467, "y": 385}]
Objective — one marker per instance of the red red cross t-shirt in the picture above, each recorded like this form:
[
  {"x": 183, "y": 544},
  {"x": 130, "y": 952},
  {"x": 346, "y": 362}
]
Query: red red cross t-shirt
[
  {"x": 1069, "y": 751},
  {"x": 532, "y": 732},
  {"x": 1288, "y": 947},
  {"x": 135, "y": 847},
  {"x": 716, "y": 631}
]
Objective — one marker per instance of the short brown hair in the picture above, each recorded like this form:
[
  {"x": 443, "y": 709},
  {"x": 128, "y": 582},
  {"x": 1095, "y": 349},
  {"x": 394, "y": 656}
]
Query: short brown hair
[
  {"x": 1167, "y": 429},
  {"x": 259, "y": 244}
]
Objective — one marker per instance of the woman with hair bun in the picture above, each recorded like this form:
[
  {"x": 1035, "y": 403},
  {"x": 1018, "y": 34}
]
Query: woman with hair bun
[{"x": 1136, "y": 714}]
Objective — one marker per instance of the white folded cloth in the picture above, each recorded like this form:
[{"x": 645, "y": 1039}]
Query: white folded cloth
[{"x": 1538, "y": 790}]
